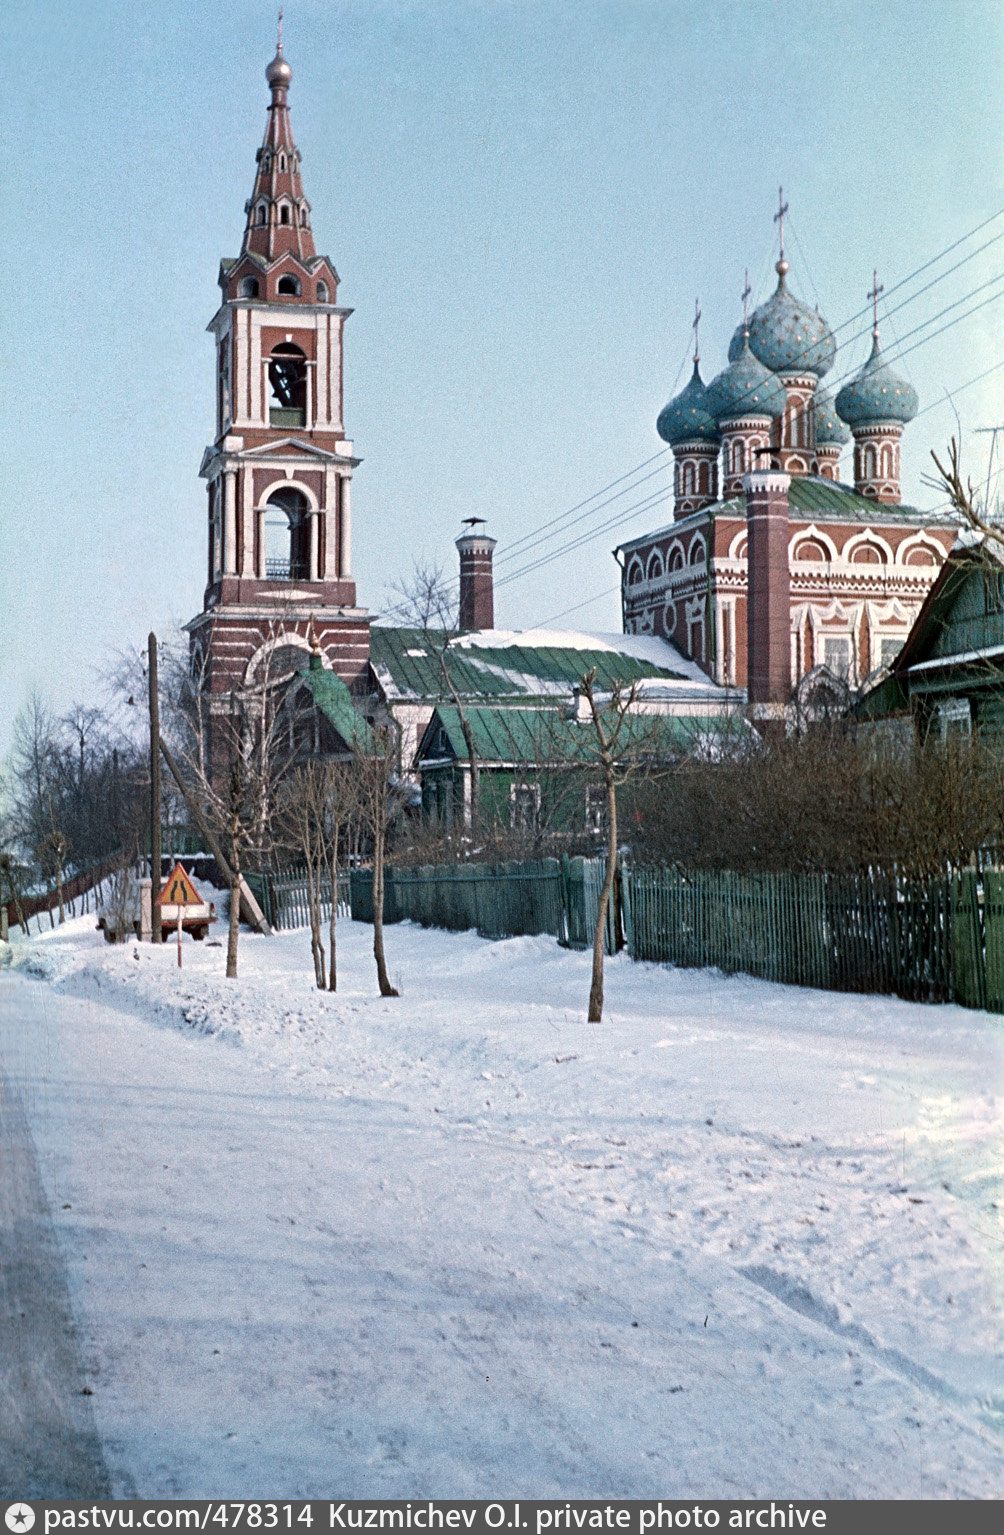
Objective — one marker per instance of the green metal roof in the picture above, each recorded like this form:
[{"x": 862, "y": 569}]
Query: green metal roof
[
  {"x": 816, "y": 499},
  {"x": 407, "y": 660},
  {"x": 541, "y": 736},
  {"x": 334, "y": 701}
]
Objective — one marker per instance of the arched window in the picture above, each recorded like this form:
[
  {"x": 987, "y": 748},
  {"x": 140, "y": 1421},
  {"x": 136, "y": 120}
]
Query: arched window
[
  {"x": 303, "y": 218},
  {"x": 262, "y": 213},
  {"x": 287, "y": 535},
  {"x": 322, "y": 293},
  {"x": 886, "y": 462},
  {"x": 676, "y": 559},
  {"x": 288, "y": 284},
  {"x": 284, "y": 213},
  {"x": 697, "y": 552},
  {"x": 703, "y": 477},
  {"x": 282, "y": 162},
  {"x": 287, "y": 375},
  {"x": 688, "y": 479},
  {"x": 654, "y": 565},
  {"x": 868, "y": 465},
  {"x": 247, "y": 287},
  {"x": 635, "y": 573}
]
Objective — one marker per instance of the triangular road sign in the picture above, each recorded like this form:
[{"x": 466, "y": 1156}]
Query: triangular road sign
[{"x": 179, "y": 890}]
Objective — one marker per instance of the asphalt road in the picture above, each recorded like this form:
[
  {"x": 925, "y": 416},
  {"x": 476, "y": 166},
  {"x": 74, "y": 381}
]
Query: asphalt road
[{"x": 48, "y": 1444}]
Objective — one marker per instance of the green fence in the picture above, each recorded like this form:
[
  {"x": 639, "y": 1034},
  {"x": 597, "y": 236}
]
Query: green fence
[
  {"x": 933, "y": 940},
  {"x": 284, "y": 896},
  {"x": 875, "y": 932},
  {"x": 502, "y": 900}
]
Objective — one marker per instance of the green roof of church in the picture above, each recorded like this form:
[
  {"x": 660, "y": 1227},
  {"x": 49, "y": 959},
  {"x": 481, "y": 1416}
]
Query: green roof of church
[{"x": 335, "y": 702}]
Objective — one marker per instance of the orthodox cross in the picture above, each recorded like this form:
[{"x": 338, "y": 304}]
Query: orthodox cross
[
  {"x": 747, "y": 290},
  {"x": 279, "y": 48},
  {"x": 697, "y": 321},
  {"x": 873, "y": 294},
  {"x": 782, "y": 208}
]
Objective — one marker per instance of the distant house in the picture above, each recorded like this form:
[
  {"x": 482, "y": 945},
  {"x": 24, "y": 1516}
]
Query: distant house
[
  {"x": 949, "y": 676},
  {"x": 536, "y": 765},
  {"x": 533, "y": 669}
]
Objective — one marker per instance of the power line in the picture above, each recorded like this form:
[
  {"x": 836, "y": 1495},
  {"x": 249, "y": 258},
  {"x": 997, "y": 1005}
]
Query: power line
[
  {"x": 543, "y": 622},
  {"x": 515, "y": 549}
]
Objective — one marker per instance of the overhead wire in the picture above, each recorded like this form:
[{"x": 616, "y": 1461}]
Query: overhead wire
[{"x": 585, "y": 509}]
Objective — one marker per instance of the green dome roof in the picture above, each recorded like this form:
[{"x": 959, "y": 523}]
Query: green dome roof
[
  {"x": 745, "y": 388},
  {"x": 786, "y": 335},
  {"x": 686, "y": 418},
  {"x": 877, "y": 395},
  {"x": 830, "y": 430}
]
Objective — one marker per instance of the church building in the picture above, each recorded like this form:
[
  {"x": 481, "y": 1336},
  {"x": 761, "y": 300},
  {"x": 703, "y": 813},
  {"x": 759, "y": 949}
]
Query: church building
[
  {"x": 279, "y": 471},
  {"x": 853, "y": 563}
]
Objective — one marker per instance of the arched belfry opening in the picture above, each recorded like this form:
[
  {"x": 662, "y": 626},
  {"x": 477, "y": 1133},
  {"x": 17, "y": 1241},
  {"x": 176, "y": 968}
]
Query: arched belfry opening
[
  {"x": 287, "y": 377},
  {"x": 287, "y": 535}
]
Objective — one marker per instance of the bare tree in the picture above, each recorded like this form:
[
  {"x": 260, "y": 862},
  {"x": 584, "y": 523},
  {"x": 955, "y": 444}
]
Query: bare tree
[
  {"x": 964, "y": 497},
  {"x": 315, "y": 805},
  {"x": 430, "y": 603},
  {"x": 378, "y": 803}
]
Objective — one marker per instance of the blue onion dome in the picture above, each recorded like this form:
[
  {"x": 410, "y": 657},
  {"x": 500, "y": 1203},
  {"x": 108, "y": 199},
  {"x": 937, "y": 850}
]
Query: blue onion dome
[
  {"x": 745, "y": 388},
  {"x": 830, "y": 430},
  {"x": 786, "y": 335},
  {"x": 877, "y": 394},
  {"x": 686, "y": 418}
]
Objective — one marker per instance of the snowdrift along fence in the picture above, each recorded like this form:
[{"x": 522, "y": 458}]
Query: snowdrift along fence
[
  {"x": 284, "y": 896},
  {"x": 933, "y": 940},
  {"x": 501, "y": 900}
]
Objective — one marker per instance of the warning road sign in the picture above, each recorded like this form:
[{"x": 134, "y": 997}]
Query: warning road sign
[{"x": 179, "y": 890}]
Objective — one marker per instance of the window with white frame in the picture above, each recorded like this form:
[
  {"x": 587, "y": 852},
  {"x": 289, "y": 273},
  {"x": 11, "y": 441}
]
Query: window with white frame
[
  {"x": 837, "y": 655},
  {"x": 597, "y": 809},
  {"x": 953, "y": 718},
  {"x": 525, "y": 806}
]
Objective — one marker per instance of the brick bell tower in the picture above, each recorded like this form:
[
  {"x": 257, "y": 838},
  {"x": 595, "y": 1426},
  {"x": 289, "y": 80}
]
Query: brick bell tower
[{"x": 279, "y": 472}]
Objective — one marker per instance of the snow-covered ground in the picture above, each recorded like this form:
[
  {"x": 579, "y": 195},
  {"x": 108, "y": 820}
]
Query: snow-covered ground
[{"x": 739, "y": 1239}]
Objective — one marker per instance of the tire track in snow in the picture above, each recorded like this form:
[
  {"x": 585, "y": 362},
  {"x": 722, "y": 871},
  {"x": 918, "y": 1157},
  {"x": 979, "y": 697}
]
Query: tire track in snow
[{"x": 48, "y": 1444}]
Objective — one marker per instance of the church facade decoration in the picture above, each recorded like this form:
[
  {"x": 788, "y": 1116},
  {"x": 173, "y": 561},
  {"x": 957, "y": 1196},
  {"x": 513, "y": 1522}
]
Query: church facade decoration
[
  {"x": 279, "y": 470},
  {"x": 860, "y": 563}
]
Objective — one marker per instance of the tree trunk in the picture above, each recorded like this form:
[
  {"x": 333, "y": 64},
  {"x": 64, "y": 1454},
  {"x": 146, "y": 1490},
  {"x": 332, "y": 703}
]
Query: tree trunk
[
  {"x": 59, "y": 887},
  {"x": 599, "y": 933},
  {"x": 314, "y": 899},
  {"x": 235, "y": 913},
  {"x": 332, "y": 970},
  {"x": 386, "y": 989}
]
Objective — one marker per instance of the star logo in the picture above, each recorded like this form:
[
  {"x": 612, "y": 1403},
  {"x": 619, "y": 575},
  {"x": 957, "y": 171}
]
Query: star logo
[{"x": 19, "y": 1517}]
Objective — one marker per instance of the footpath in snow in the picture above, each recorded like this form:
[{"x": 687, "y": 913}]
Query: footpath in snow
[{"x": 737, "y": 1240}]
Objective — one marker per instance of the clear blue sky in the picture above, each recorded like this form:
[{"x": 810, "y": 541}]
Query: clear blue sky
[{"x": 522, "y": 200}]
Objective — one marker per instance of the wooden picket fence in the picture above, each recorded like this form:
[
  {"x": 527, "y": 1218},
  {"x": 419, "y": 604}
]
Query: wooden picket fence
[
  {"x": 284, "y": 896},
  {"x": 929, "y": 940},
  {"x": 871, "y": 932}
]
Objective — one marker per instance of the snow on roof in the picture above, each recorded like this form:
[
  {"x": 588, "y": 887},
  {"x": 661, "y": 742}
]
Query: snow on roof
[{"x": 643, "y": 647}]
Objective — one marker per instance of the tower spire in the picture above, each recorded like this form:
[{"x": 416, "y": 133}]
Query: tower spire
[
  {"x": 747, "y": 290},
  {"x": 697, "y": 321},
  {"x": 278, "y": 212}
]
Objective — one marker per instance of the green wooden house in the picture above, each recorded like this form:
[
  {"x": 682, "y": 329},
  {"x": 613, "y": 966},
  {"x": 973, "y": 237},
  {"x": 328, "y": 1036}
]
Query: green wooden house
[
  {"x": 536, "y": 765},
  {"x": 949, "y": 676}
]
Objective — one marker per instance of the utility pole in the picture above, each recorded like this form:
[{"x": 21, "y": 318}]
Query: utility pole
[
  {"x": 990, "y": 431},
  {"x": 155, "y": 934}
]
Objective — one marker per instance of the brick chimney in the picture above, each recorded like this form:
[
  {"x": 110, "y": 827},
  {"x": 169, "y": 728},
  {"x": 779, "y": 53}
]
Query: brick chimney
[
  {"x": 477, "y": 593},
  {"x": 768, "y": 596}
]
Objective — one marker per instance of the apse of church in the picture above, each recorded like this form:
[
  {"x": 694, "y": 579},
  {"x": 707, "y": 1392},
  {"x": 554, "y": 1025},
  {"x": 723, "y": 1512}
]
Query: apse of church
[
  {"x": 860, "y": 562},
  {"x": 279, "y": 471}
]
